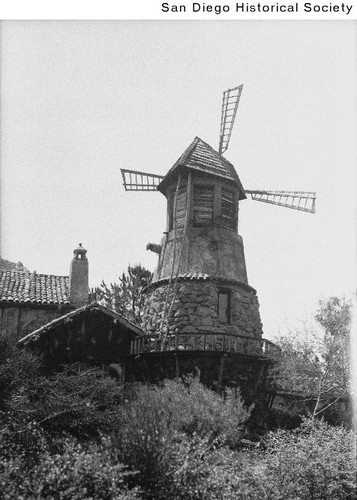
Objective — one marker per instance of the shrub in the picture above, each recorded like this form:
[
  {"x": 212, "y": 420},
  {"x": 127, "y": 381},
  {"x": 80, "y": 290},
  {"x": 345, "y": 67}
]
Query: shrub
[
  {"x": 188, "y": 406},
  {"x": 82, "y": 404},
  {"x": 316, "y": 461},
  {"x": 196, "y": 472},
  {"x": 160, "y": 423},
  {"x": 74, "y": 474},
  {"x": 26, "y": 441},
  {"x": 194, "y": 409},
  {"x": 18, "y": 368}
]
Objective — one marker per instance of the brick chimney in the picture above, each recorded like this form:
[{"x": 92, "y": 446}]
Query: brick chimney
[{"x": 78, "y": 278}]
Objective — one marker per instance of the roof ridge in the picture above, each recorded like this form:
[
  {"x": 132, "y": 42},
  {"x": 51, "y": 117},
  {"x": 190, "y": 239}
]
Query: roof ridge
[
  {"x": 188, "y": 151},
  {"x": 185, "y": 155},
  {"x": 87, "y": 307},
  {"x": 11, "y": 271},
  {"x": 220, "y": 157}
]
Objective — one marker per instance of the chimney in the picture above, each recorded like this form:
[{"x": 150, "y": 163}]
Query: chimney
[{"x": 78, "y": 278}]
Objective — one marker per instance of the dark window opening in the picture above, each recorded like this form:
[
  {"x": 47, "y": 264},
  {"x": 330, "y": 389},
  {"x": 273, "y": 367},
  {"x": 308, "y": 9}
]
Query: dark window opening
[
  {"x": 202, "y": 205},
  {"x": 224, "y": 307}
]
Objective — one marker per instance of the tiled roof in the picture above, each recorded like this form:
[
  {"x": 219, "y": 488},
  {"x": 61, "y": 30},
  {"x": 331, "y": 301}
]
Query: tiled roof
[
  {"x": 67, "y": 318},
  {"x": 201, "y": 156},
  {"x": 33, "y": 288}
]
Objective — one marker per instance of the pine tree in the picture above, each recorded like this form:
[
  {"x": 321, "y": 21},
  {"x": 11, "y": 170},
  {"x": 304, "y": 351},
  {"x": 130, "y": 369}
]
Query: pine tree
[{"x": 125, "y": 296}]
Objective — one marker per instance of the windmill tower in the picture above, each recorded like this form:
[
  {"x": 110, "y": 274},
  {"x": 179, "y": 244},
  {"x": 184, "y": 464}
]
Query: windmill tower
[{"x": 200, "y": 286}]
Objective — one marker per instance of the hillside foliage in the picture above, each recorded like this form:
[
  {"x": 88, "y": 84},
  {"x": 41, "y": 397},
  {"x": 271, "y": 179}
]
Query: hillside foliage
[{"x": 76, "y": 435}]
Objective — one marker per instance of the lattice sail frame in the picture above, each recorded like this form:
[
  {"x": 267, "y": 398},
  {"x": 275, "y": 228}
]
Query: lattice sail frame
[
  {"x": 304, "y": 201},
  {"x": 297, "y": 200},
  {"x": 140, "y": 181},
  {"x": 231, "y": 98}
]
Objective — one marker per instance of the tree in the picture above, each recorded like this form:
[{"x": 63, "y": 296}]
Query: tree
[
  {"x": 126, "y": 296},
  {"x": 315, "y": 365}
]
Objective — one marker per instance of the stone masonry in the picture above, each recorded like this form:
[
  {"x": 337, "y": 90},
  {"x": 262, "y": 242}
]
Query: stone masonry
[{"x": 195, "y": 309}]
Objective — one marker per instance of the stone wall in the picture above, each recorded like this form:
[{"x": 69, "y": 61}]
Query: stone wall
[{"x": 195, "y": 309}]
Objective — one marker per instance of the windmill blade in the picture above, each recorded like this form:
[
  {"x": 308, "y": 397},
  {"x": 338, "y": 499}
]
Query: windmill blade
[
  {"x": 298, "y": 200},
  {"x": 230, "y": 103},
  {"x": 140, "y": 181}
]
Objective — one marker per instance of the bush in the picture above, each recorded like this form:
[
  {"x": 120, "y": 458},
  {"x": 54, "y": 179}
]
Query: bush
[
  {"x": 82, "y": 404},
  {"x": 197, "y": 473},
  {"x": 74, "y": 474},
  {"x": 18, "y": 368},
  {"x": 194, "y": 409},
  {"x": 316, "y": 461},
  {"x": 187, "y": 406},
  {"x": 162, "y": 425},
  {"x": 313, "y": 462}
]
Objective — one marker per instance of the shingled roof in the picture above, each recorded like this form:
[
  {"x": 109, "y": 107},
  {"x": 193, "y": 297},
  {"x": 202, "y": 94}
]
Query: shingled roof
[
  {"x": 202, "y": 157},
  {"x": 78, "y": 313},
  {"x": 33, "y": 288}
]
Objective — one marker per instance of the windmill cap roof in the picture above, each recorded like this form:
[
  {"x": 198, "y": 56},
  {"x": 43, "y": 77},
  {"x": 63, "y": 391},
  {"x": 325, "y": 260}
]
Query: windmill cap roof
[{"x": 201, "y": 157}]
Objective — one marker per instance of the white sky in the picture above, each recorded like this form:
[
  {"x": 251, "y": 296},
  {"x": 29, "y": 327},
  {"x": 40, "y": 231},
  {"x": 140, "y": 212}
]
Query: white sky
[{"x": 82, "y": 99}]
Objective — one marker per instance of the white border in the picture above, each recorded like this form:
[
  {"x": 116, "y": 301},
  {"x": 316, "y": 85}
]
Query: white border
[{"x": 152, "y": 10}]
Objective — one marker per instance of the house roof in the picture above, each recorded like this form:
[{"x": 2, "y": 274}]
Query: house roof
[
  {"x": 31, "y": 288},
  {"x": 202, "y": 157},
  {"x": 81, "y": 311}
]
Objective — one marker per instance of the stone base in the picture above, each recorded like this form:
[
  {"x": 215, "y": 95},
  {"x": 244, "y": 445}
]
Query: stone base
[{"x": 195, "y": 309}]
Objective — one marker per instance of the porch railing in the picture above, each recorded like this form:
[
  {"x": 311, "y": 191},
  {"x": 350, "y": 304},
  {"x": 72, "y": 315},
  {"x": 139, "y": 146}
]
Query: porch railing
[{"x": 237, "y": 344}]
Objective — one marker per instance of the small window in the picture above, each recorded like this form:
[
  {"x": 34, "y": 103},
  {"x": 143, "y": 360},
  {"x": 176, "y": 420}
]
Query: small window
[
  {"x": 202, "y": 205},
  {"x": 224, "y": 307}
]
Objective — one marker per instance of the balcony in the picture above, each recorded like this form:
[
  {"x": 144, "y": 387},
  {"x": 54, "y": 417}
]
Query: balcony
[{"x": 205, "y": 342}]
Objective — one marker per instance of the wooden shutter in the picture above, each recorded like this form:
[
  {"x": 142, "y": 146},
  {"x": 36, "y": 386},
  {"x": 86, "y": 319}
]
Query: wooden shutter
[
  {"x": 180, "y": 208},
  {"x": 202, "y": 205},
  {"x": 227, "y": 208}
]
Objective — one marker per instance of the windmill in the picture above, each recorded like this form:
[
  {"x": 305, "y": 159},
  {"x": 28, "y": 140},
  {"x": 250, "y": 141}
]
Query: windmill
[
  {"x": 200, "y": 285},
  {"x": 298, "y": 200}
]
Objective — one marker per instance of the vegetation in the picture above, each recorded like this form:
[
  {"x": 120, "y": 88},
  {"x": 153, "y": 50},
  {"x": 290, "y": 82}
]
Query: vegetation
[
  {"x": 315, "y": 364},
  {"x": 74, "y": 436},
  {"x": 126, "y": 296}
]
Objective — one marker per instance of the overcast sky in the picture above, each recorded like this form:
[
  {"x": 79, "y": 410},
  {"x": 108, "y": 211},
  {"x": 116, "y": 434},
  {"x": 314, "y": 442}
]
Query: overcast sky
[{"x": 80, "y": 100}]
